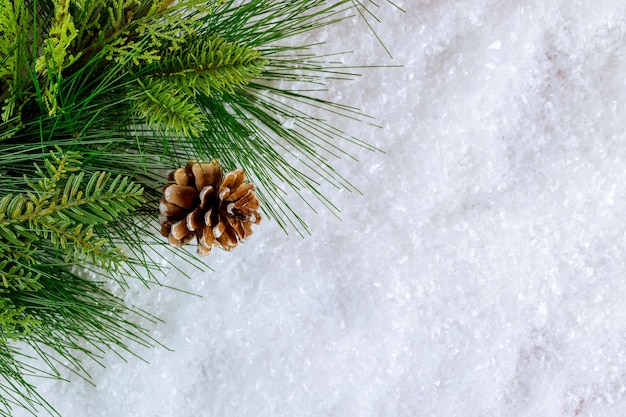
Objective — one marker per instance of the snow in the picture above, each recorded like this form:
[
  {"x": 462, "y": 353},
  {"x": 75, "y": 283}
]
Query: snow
[{"x": 482, "y": 272}]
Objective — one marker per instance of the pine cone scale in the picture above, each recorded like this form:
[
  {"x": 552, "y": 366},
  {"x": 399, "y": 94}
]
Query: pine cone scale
[
  {"x": 194, "y": 220},
  {"x": 181, "y": 177},
  {"x": 240, "y": 192},
  {"x": 181, "y": 195},
  {"x": 206, "y": 237},
  {"x": 179, "y": 230},
  {"x": 206, "y": 174},
  {"x": 248, "y": 201},
  {"x": 205, "y": 196},
  {"x": 171, "y": 210}
]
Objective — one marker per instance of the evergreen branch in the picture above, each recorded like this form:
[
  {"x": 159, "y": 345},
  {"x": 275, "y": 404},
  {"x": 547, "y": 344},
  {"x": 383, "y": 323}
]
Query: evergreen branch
[
  {"x": 57, "y": 55},
  {"x": 65, "y": 213},
  {"x": 14, "y": 27},
  {"x": 15, "y": 323},
  {"x": 204, "y": 63},
  {"x": 87, "y": 17},
  {"x": 119, "y": 11},
  {"x": 41, "y": 302},
  {"x": 64, "y": 164},
  {"x": 15, "y": 390},
  {"x": 69, "y": 318},
  {"x": 165, "y": 109},
  {"x": 164, "y": 95},
  {"x": 137, "y": 30},
  {"x": 16, "y": 277}
]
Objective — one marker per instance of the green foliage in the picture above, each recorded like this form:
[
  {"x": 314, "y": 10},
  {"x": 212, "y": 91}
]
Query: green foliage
[
  {"x": 204, "y": 63},
  {"x": 69, "y": 317},
  {"x": 15, "y": 323},
  {"x": 15, "y": 276},
  {"x": 56, "y": 53},
  {"x": 57, "y": 216},
  {"x": 63, "y": 209},
  {"x": 165, "y": 95},
  {"x": 59, "y": 221},
  {"x": 14, "y": 26},
  {"x": 166, "y": 109},
  {"x": 137, "y": 31}
]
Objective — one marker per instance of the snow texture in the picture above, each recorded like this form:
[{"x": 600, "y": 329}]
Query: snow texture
[{"x": 481, "y": 273}]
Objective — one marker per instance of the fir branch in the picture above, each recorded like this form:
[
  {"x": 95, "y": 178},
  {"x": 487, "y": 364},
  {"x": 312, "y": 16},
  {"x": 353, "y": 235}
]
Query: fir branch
[
  {"x": 17, "y": 277},
  {"x": 42, "y": 233},
  {"x": 64, "y": 211}
]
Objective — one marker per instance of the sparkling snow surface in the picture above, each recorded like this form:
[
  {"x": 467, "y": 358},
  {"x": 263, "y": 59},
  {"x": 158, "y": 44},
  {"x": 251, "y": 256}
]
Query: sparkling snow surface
[{"x": 481, "y": 273}]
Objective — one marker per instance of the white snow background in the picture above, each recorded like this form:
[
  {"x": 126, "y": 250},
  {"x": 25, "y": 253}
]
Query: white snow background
[{"x": 482, "y": 272}]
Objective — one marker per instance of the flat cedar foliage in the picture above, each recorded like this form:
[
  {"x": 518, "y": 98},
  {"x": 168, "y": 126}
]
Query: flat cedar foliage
[{"x": 99, "y": 99}]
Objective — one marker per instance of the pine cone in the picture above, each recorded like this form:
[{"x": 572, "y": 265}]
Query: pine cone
[{"x": 200, "y": 202}]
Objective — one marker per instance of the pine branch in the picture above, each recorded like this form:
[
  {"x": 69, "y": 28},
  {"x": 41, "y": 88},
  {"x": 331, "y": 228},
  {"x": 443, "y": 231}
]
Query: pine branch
[{"x": 69, "y": 318}]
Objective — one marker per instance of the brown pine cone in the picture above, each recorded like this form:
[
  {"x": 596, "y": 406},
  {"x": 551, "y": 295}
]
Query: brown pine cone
[{"x": 200, "y": 202}]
